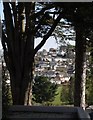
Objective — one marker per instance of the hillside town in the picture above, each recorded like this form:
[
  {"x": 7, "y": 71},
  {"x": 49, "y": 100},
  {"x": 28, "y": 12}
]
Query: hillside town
[{"x": 56, "y": 64}]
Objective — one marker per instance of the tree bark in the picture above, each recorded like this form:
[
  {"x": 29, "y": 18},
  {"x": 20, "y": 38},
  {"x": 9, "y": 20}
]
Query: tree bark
[
  {"x": 71, "y": 81},
  {"x": 80, "y": 67},
  {"x": 18, "y": 45},
  {"x": 19, "y": 50},
  {"x": 21, "y": 86}
]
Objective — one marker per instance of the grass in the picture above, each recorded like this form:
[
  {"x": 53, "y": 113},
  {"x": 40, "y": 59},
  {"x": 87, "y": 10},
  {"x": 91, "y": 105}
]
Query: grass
[{"x": 57, "y": 100}]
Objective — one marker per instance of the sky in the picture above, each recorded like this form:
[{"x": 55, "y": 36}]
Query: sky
[
  {"x": 0, "y": 18},
  {"x": 50, "y": 43}
]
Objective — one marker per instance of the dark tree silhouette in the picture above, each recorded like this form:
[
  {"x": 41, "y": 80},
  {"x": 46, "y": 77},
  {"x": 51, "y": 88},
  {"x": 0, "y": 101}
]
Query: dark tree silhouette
[
  {"x": 80, "y": 15},
  {"x": 21, "y": 24}
]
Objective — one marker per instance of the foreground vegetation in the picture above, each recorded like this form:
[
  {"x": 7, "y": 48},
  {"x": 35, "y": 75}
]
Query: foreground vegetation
[
  {"x": 57, "y": 100},
  {"x": 47, "y": 93}
]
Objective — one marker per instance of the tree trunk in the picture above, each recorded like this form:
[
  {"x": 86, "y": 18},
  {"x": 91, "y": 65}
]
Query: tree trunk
[
  {"x": 71, "y": 90},
  {"x": 20, "y": 54},
  {"x": 21, "y": 86},
  {"x": 18, "y": 45},
  {"x": 80, "y": 67}
]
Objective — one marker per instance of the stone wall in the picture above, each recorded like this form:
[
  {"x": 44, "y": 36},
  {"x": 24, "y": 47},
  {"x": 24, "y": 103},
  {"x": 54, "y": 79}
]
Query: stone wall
[{"x": 43, "y": 112}]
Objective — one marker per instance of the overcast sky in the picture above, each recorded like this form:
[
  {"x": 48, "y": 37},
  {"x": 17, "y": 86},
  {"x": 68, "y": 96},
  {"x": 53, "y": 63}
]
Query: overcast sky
[{"x": 50, "y": 43}]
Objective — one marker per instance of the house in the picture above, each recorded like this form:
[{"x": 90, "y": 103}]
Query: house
[{"x": 49, "y": 63}]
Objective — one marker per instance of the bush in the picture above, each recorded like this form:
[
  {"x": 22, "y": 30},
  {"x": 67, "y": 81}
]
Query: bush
[
  {"x": 67, "y": 92},
  {"x": 43, "y": 90}
]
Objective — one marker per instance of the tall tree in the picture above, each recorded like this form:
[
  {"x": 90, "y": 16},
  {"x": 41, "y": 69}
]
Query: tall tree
[
  {"x": 80, "y": 14},
  {"x": 43, "y": 90},
  {"x": 89, "y": 81},
  {"x": 80, "y": 73},
  {"x": 83, "y": 22},
  {"x": 21, "y": 25}
]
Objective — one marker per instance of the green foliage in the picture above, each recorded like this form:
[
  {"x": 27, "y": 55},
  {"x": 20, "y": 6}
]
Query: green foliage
[
  {"x": 89, "y": 90},
  {"x": 67, "y": 92},
  {"x": 6, "y": 93},
  {"x": 71, "y": 90},
  {"x": 89, "y": 81},
  {"x": 43, "y": 90},
  {"x": 57, "y": 101}
]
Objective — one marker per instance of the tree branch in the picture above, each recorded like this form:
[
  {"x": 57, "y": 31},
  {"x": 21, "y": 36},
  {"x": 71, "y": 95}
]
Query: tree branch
[
  {"x": 49, "y": 6},
  {"x": 6, "y": 54},
  {"x": 38, "y": 26},
  {"x": 3, "y": 41},
  {"x": 48, "y": 34},
  {"x": 29, "y": 44},
  {"x": 14, "y": 8},
  {"x": 9, "y": 23}
]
